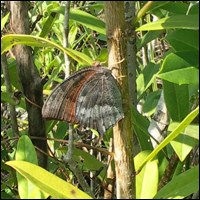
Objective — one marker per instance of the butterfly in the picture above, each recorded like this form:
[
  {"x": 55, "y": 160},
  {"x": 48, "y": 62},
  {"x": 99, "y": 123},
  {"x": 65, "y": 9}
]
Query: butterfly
[{"x": 89, "y": 97}]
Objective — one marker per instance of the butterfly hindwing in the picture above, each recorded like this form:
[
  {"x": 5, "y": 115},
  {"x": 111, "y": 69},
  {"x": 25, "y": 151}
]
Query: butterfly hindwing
[{"x": 96, "y": 101}]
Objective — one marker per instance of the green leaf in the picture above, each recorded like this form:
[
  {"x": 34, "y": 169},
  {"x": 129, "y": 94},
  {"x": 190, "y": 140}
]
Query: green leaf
[
  {"x": 173, "y": 62},
  {"x": 148, "y": 37},
  {"x": 184, "y": 40},
  {"x": 176, "y": 8},
  {"x": 48, "y": 182},
  {"x": 88, "y": 20},
  {"x": 9, "y": 41},
  {"x": 84, "y": 18},
  {"x": 6, "y": 97},
  {"x": 49, "y": 22},
  {"x": 140, "y": 157},
  {"x": 157, "y": 5},
  {"x": 184, "y": 143},
  {"x": 146, "y": 78},
  {"x": 72, "y": 34},
  {"x": 26, "y": 152},
  {"x": 13, "y": 73},
  {"x": 194, "y": 7},
  {"x": 4, "y": 20},
  {"x": 151, "y": 102},
  {"x": 4, "y": 195},
  {"x": 87, "y": 162},
  {"x": 181, "y": 186},
  {"x": 176, "y": 96},
  {"x": 188, "y": 119},
  {"x": 147, "y": 181},
  {"x": 191, "y": 57},
  {"x": 176, "y": 21},
  {"x": 189, "y": 75},
  {"x": 177, "y": 100},
  {"x": 140, "y": 126}
]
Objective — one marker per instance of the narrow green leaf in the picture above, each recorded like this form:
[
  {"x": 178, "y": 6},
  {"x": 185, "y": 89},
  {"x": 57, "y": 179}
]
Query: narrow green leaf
[
  {"x": 176, "y": 21},
  {"x": 181, "y": 186},
  {"x": 188, "y": 119},
  {"x": 4, "y": 20},
  {"x": 48, "y": 24},
  {"x": 88, "y": 20},
  {"x": 48, "y": 182},
  {"x": 84, "y": 18},
  {"x": 9, "y": 41}
]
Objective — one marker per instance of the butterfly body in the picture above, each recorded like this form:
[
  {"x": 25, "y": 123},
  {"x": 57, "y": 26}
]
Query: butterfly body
[{"x": 90, "y": 97}]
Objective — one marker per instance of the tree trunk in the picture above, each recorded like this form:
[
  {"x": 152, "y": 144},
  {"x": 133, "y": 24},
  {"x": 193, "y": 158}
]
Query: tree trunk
[
  {"x": 122, "y": 132},
  {"x": 29, "y": 77},
  {"x": 131, "y": 50}
]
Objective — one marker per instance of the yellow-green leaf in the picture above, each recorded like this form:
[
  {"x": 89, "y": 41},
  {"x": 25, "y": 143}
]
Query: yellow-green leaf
[
  {"x": 51, "y": 184},
  {"x": 11, "y": 40}
]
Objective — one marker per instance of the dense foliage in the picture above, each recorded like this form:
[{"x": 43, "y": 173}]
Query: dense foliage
[{"x": 166, "y": 97}]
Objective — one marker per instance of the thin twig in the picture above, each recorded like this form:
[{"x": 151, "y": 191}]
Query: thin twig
[
  {"x": 68, "y": 157},
  {"x": 65, "y": 38}
]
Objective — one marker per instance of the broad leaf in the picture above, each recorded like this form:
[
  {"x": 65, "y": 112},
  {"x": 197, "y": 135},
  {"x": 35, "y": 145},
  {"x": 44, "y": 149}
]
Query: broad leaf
[
  {"x": 186, "y": 141},
  {"x": 184, "y": 40},
  {"x": 48, "y": 182},
  {"x": 26, "y": 152},
  {"x": 189, "y": 75},
  {"x": 181, "y": 186},
  {"x": 147, "y": 181},
  {"x": 176, "y": 21}
]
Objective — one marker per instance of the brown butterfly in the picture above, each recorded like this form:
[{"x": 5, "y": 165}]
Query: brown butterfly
[{"x": 90, "y": 97}]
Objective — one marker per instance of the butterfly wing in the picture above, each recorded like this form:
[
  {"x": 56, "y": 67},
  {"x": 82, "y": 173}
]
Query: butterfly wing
[
  {"x": 60, "y": 105},
  {"x": 99, "y": 105}
]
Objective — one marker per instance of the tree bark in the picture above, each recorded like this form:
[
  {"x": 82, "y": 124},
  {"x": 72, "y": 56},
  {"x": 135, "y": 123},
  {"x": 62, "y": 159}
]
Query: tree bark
[
  {"x": 131, "y": 50},
  {"x": 122, "y": 132},
  {"x": 29, "y": 77}
]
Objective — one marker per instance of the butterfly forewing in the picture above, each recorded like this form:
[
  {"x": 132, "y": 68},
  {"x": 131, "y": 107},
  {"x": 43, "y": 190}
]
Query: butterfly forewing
[{"x": 61, "y": 103}]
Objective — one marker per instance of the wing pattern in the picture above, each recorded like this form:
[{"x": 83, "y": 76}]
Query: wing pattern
[{"x": 90, "y": 97}]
